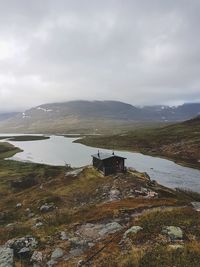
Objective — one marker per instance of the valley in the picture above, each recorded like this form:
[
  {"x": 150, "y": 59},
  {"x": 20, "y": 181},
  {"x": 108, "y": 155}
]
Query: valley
[{"x": 58, "y": 216}]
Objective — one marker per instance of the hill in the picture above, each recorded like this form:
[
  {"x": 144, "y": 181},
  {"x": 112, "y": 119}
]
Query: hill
[
  {"x": 180, "y": 141},
  {"x": 53, "y": 216},
  {"x": 5, "y": 116},
  {"x": 94, "y": 117}
]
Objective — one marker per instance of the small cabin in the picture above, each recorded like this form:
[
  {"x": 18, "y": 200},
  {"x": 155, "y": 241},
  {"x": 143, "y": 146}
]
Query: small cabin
[{"x": 108, "y": 163}]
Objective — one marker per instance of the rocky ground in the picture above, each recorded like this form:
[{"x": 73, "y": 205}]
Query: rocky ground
[{"x": 78, "y": 217}]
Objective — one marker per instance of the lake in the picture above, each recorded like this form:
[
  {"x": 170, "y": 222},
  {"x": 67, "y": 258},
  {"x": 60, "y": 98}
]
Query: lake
[{"x": 59, "y": 150}]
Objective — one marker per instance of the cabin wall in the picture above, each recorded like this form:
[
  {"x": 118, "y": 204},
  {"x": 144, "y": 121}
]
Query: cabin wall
[
  {"x": 110, "y": 165},
  {"x": 97, "y": 163}
]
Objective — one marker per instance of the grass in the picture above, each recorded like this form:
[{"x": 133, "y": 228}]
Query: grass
[
  {"x": 163, "y": 256},
  {"x": 110, "y": 211},
  {"x": 25, "y": 138},
  {"x": 7, "y": 150},
  {"x": 180, "y": 142},
  {"x": 13, "y": 232},
  {"x": 79, "y": 200}
]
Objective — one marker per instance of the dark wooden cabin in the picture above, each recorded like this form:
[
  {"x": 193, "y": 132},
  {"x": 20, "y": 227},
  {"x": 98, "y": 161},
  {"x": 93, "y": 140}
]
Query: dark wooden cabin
[{"x": 108, "y": 163}]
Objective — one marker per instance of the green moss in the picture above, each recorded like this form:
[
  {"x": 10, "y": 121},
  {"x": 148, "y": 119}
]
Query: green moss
[
  {"x": 28, "y": 138},
  {"x": 7, "y": 150}
]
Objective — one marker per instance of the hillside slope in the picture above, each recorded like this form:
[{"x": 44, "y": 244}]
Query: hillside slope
[
  {"x": 93, "y": 117},
  {"x": 179, "y": 141},
  {"x": 60, "y": 217},
  {"x": 5, "y": 116}
]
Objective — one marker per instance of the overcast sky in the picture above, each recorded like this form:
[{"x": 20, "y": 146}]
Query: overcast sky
[{"x": 140, "y": 52}]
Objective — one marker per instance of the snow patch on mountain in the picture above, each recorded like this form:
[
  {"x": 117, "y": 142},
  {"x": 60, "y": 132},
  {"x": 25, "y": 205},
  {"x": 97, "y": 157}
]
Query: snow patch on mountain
[{"x": 44, "y": 109}]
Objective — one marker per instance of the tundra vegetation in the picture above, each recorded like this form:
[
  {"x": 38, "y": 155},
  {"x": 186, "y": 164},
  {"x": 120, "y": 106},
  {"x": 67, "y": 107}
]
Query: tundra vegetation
[
  {"x": 180, "y": 141},
  {"x": 67, "y": 215}
]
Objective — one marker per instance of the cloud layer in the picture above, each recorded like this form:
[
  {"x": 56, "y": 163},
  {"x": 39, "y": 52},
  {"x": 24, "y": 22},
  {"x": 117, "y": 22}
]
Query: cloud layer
[{"x": 141, "y": 52}]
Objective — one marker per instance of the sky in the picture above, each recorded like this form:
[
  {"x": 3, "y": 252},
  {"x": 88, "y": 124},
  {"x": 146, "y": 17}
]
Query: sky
[{"x": 140, "y": 52}]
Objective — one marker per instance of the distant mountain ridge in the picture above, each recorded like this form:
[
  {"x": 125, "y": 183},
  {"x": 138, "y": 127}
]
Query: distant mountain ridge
[
  {"x": 83, "y": 115},
  {"x": 5, "y": 116}
]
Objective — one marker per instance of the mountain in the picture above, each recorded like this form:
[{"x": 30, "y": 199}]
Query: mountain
[
  {"x": 5, "y": 116},
  {"x": 93, "y": 116}
]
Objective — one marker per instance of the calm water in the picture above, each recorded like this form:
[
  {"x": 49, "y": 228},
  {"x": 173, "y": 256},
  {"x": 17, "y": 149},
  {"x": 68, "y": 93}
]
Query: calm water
[{"x": 59, "y": 150}]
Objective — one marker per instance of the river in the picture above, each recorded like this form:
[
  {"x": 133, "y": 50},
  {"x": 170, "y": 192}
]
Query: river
[{"x": 59, "y": 150}]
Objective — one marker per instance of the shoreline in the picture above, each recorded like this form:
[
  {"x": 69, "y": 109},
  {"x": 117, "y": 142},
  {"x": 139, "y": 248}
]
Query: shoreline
[
  {"x": 80, "y": 140},
  {"x": 180, "y": 162}
]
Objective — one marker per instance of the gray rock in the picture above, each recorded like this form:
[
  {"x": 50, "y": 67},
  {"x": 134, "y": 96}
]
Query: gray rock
[
  {"x": 76, "y": 252},
  {"x": 91, "y": 244},
  {"x": 132, "y": 230},
  {"x": 57, "y": 253},
  {"x": 196, "y": 205},
  {"x": 80, "y": 263},
  {"x": 91, "y": 232},
  {"x": 47, "y": 207},
  {"x": 21, "y": 244},
  {"x": 19, "y": 205},
  {"x": 63, "y": 236},
  {"x": 51, "y": 263},
  {"x": 38, "y": 225},
  {"x": 74, "y": 173},
  {"x": 114, "y": 194},
  {"x": 77, "y": 242},
  {"x": 37, "y": 258},
  {"x": 6, "y": 257},
  {"x": 31, "y": 215},
  {"x": 110, "y": 228},
  {"x": 174, "y": 233}
]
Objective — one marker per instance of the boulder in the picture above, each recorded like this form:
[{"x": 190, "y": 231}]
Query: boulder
[
  {"x": 63, "y": 236},
  {"x": 47, "y": 207},
  {"x": 37, "y": 258},
  {"x": 6, "y": 257},
  {"x": 92, "y": 232},
  {"x": 31, "y": 215},
  {"x": 77, "y": 242},
  {"x": 57, "y": 253},
  {"x": 173, "y": 232},
  {"x": 21, "y": 245},
  {"x": 51, "y": 263},
  {"x": 110, "y": 228},
  {"x": 38, "y": 225},
  {"x": 74, "y": 173},
  {"x": 196, "y": 205},
  {"x": 114, "y": 194},
  {"x": 132, "y": 230},
  {"x": 18, "y": 205},
  {"x": 80, "y": 263},
  {"x": 76, "y": 252}
]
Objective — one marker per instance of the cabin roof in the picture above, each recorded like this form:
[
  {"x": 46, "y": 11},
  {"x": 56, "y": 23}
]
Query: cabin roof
[{"x": 103, "y": 156}]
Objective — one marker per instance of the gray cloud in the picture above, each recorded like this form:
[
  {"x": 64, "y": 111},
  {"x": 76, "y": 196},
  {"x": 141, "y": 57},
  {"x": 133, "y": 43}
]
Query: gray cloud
[{"x": 141, "y": 52}]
